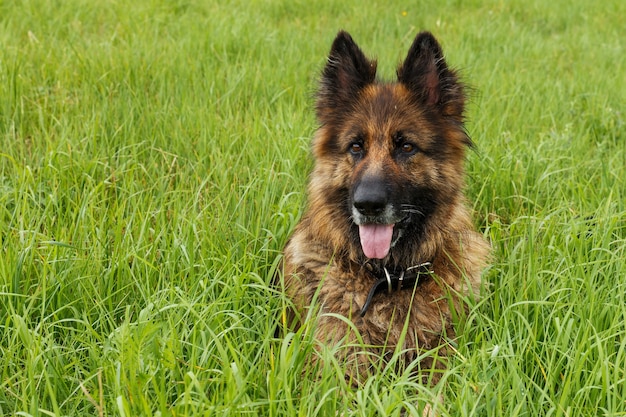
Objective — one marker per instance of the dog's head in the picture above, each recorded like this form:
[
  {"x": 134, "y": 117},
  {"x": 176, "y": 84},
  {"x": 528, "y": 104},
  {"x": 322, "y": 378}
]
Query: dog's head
[{"x": 389, "y": 156}]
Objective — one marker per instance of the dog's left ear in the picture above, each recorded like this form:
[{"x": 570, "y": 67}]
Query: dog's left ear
[
  {"x": 346, "y": 73},
  {"x": 425, "y": 73}
]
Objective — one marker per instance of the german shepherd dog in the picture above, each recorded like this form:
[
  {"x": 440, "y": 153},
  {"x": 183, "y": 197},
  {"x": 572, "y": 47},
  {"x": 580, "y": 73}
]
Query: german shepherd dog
[{"x": 387, "y": 241}]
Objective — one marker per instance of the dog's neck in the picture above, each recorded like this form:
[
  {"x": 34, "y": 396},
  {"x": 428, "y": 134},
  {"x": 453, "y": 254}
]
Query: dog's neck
[{"x": 395, "y": 279}]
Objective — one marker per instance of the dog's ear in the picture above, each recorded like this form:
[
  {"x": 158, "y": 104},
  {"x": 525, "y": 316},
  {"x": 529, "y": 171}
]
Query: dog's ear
[
  {"x": 346, "y": 73},
  {"x": 425, "y": 73}
]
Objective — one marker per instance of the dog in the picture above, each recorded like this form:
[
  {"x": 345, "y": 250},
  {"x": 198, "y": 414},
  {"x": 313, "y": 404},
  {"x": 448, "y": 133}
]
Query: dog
[{"x": 386, "y": 249}]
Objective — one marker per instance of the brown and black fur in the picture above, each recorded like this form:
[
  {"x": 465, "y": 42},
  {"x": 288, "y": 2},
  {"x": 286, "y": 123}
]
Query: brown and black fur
[{"x": 403, "y": 144}]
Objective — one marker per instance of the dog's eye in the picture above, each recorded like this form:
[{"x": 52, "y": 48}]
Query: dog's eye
[
  {"x": 403, "y": 145},
  {"x": 408, "y": 147},
  {"x": 356, "y": 148}
]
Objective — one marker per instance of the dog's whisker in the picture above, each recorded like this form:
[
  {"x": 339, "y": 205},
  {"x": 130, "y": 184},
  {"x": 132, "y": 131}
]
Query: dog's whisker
[{"x": 410, "y": 209}]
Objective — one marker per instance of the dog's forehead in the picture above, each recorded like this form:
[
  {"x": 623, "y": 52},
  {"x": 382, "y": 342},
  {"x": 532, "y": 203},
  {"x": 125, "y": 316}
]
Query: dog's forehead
[
  {"x": 385, "y": 107},
  {"x": 383, "y": 98}
]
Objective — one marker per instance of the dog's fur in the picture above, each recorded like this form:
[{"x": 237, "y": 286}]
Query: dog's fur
[{"x": 386, "y": 154}]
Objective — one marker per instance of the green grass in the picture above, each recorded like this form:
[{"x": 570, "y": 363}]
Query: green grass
[{"x": 153, "y": 161}]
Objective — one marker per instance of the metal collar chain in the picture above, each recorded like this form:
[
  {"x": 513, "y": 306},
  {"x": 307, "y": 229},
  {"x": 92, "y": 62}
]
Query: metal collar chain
[{"x": 407, "y": 278}]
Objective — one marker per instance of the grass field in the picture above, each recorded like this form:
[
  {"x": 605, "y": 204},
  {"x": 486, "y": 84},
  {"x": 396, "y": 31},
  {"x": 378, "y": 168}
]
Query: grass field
[{"x": 154, "y": 156}]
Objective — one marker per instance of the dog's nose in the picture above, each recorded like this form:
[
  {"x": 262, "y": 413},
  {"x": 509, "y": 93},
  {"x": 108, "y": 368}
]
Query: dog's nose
[{"x": 370, "y": 197}]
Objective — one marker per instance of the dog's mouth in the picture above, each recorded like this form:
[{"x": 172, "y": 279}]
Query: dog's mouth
[{"x": 378, "y": 239}]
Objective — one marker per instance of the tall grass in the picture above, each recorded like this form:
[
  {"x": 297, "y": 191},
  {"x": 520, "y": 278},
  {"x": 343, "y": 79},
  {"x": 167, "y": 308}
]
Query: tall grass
[{"x": 153, "y": 161}]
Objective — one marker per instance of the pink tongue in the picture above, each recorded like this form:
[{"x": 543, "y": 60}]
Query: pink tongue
[{"x": 376, "y": 239}]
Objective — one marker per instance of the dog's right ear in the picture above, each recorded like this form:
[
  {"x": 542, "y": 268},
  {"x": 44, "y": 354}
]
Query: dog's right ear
[
  {"x": 346, "y": 73},
  {"x": 427, "y": 75}
]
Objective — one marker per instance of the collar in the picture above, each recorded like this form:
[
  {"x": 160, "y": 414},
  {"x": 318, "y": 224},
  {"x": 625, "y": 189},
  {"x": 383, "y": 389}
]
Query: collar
[{"x": 396, "y": 280}]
